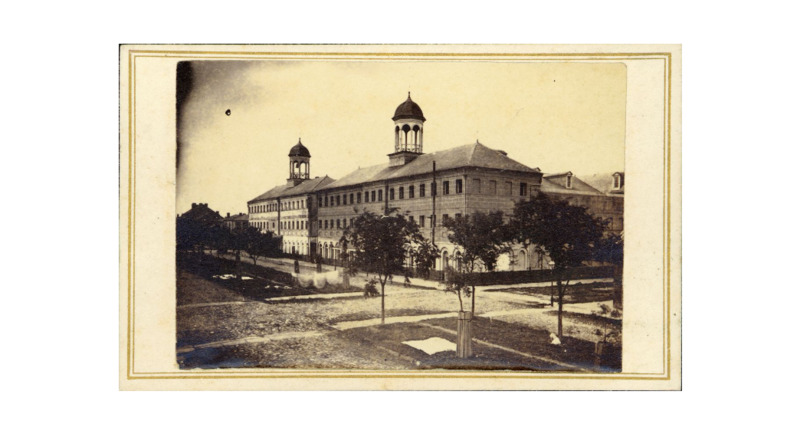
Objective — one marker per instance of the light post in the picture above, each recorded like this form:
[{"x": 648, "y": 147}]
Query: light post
[{"x": 552, "y": 266}]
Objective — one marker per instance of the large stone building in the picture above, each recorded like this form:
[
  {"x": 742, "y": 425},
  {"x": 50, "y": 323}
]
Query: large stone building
[{"x": 311, "y": 214}]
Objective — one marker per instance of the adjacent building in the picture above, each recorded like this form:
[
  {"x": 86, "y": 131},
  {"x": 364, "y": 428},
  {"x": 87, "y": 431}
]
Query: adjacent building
[{"x": 237, "y": 221}]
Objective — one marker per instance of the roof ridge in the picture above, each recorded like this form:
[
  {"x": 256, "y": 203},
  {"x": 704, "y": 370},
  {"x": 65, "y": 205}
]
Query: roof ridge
[{"x": 472, "y": 151}]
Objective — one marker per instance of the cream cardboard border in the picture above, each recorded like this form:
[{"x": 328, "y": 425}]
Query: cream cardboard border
[{"x": 652, "y": 322}]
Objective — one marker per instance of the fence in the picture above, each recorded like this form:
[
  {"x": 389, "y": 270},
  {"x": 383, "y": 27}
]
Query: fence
[{"x": 528, "y": 276}]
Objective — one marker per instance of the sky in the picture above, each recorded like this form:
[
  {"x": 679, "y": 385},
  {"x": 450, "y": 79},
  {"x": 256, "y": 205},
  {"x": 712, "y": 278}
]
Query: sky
[{"x": 555, "y": 116}]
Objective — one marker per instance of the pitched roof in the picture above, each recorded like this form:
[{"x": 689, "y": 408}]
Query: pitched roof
[
  {"x": 241, "y": 216},
  {"x": 604, "y": 182},
  {"x": 289, "y": 189},
  {"x": 551, "y": 184},
  {"x": 473, "y": 155},
  {"x": 201, "y": 212}
]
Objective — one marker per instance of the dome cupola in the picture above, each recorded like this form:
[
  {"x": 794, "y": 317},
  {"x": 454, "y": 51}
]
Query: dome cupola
[
  {"x": 408, "y": 110},
  {"x": 408, "y": 122},
  {"x": 299, "y": 150}
]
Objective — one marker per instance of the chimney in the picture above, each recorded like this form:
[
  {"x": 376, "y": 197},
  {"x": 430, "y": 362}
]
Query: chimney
[{"x": 228, "y": 216}]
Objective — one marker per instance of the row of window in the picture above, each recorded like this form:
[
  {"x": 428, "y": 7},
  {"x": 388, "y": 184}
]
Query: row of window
[
  {"x": 411, "y": 192},
  {"x": 342, "y": 199},
  {"x": 285, "y": 225},
  {"x": 343, "y": 223},
  {"x": 284, "y": 206}
]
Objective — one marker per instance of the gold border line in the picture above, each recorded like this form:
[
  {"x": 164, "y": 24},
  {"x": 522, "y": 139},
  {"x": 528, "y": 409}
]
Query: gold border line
[{"x": 334, "y": 374}]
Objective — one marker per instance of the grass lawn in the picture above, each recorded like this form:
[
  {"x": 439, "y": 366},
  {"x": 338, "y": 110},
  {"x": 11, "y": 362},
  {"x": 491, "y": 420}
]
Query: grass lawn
[
  {"x": 536, "y": 342},
  {"x": 264, "y": 282},
  {"x": 580, "y": 293}
]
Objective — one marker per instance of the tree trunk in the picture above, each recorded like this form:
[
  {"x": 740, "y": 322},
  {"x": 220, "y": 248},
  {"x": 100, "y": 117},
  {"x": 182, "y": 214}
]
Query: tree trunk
[
  {"x": 473, "y": 300},
  {"x": 383, "y": 305},
  {"x": 464, "y": 335},
  {"x": 560, "y": 309},
  {"x": 238, "y": 265}
]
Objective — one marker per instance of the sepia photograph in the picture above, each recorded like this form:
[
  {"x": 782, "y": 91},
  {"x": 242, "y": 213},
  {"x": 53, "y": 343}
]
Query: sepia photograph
[
  {"x": 400, "y": 215},
  {"x": 476, "y": 222}
]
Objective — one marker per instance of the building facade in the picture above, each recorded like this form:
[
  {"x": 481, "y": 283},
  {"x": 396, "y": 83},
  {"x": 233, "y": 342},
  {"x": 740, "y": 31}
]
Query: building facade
[
  {"x": 312, "y": 214},
  {"x": 237, "y": 221}
]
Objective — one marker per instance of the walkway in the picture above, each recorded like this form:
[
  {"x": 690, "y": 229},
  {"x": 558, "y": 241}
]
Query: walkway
[{"x": 333, "y": 296}]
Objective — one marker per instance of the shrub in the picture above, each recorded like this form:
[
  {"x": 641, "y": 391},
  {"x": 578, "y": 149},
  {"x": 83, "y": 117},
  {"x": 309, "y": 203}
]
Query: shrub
[{"x": 371, "y": 288}]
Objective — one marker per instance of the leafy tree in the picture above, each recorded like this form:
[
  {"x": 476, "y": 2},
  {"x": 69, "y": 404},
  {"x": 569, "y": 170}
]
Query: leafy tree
[
  {"x": 483, "y": 238},
  {"x": 568, "y": 234},
  {"x": 381, "y": 244},
  {"x": 191, "y": 234},
  {"x": 237, "y": 243},
  {"x": 459, "y": 284},
  {"x": 219, "y": 238},
  {"x": 610, "y": 250},
  {"x": 260, "y": 245}
]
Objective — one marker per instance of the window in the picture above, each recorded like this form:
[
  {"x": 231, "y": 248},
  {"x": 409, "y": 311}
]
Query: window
[
  {"x": 338, "y": 224},
  {"x": 326, "y": 224},
  {"x": 523, "y": 189},
  {"x": 326, "y": 200},
  {"x": 373, "y": 196},
  {"x": 507, "y": 188},
  {"x": 400, "y": 192},
  {"x": 446, "y": 187},
  {"x": 433, "y": 188},
  {"x": 617, "y": 181},
  {"x": 422, "y": 221},
  {"x": 422, "y": 190},
  {"x": 459, "y": 186},
  {"x": 351, "y": 198},
  {"x": 391, "y": 194},
  {"x": 344, "y": 223},
  {"x": 319, "y": 204},
  {"x": 320, "y": 224},
  {"x": 492, "y": 187},
  {"x": 380, "y": 195},
  {"x": 410, "y": 191},
  {"x": 351, "y": 222},
  {"x": 338, "y": 201},
  {"x": 358, "y": 197}
]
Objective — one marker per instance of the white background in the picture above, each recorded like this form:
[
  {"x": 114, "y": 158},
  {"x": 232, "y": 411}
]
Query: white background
[{"x": 59, "y": 178}]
